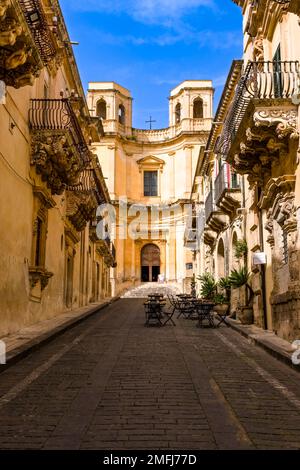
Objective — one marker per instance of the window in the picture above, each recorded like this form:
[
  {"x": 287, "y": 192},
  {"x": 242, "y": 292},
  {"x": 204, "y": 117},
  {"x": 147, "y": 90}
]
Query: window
[
  {"x": 150, "y": 183},
  {"x": 277, "y": 73},
  {"x": 121, "y": 114},
  {"x": 101, "y": 109},
  {"x": 198, "y": 108},
  {"x": 177, "y": 113},
  {"x": 38, "y": 242}
]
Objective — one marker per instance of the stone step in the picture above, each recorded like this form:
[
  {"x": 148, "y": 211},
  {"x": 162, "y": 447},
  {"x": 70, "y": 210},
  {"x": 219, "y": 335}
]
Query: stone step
[{"x": 146, "y": 289}]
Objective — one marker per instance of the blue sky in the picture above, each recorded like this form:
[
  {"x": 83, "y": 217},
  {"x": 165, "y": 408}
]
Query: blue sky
[{"x": 150, "y": 46}]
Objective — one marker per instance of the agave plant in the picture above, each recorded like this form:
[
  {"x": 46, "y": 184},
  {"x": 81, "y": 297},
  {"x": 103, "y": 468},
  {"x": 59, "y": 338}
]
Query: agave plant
[
  {"x": 240, "y": 277},
  {"x": 208, "y": 287},
  {"x": 225, "y": 285}
]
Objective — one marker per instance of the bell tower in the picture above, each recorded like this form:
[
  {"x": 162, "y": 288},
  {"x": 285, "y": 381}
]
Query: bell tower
[
  {"x": 112, "y": 103},
  {"x": 189, "y": 101}
]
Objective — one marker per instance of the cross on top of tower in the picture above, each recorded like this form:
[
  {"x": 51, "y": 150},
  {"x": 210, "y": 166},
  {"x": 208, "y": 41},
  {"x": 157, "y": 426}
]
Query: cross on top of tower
[{"x": 150, "y": 122}]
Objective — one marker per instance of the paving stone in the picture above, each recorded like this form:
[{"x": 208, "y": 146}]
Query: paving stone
[{"x": 123, "y": 386}]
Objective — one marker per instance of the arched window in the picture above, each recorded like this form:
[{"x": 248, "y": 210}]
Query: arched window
[
  {"x": 122, "y": 114},
  {"x": 101, "y": 109},
  {"x": 198, "y": 108},
  {"x": 221, "y": 259},
  {"x": 177, "y": 113},
  {"x": 234, "y": 261}
]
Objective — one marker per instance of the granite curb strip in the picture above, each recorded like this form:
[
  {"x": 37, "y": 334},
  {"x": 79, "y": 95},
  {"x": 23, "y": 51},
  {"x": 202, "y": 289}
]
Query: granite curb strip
[
  {"x": 19, "y": 353},
  {"x": 267, "y": 344}
]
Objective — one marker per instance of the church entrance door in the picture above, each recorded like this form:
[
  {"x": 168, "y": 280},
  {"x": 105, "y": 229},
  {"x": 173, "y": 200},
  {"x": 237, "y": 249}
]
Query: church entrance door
[{"x": 150, "y": 263}]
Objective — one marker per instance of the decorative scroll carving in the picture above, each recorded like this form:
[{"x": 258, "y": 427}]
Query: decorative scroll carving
[
  {"x": 20, "y": 62},
  {"x": 55, "y": 160},
  {"x": 81, "y": 208},
  {"x": 284, "y": 120}
]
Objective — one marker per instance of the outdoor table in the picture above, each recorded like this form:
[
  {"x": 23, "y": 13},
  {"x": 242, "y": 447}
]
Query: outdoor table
[
  {"x": 204, "y": 311},
  {"x": 185, "y": 306},
  {"x": 153, "y": 311}
]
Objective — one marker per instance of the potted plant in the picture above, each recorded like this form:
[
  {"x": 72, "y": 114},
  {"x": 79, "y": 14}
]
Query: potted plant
[
  {"x": 208, "y": 287},
  {"x": 239, "y": 278},
  {"x": 221, "y": 303},
  {"x": 222, "y": 300}
]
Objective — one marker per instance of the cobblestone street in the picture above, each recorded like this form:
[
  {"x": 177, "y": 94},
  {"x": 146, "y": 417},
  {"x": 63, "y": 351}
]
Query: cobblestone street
[{"x": 111, "y": 383}]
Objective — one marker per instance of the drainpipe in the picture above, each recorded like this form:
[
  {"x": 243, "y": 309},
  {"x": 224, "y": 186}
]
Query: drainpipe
[{"x": 263, "y": 271}]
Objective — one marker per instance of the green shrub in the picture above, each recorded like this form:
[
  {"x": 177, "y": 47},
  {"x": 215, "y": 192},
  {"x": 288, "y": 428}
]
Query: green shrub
[
  {"x": 240, "y": 249},
  {"x": 208, "y": 287}
]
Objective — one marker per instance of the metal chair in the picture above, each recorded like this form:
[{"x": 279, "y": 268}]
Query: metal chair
[
  {"x": 204, "y": 313},
  {"x": 153, "y": 313}
]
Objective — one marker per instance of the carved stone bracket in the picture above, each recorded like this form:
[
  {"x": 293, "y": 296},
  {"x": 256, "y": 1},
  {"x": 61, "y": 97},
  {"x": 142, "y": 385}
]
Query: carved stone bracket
[
  {"x": 56, "y": 160},
  {"x": 20, "y": 62},
  {"x": 38, "y": 274},
  {"x": 284, "y": 120},
  {"x": 265, "y": 143},
  {"x": 81, "y": 208}
]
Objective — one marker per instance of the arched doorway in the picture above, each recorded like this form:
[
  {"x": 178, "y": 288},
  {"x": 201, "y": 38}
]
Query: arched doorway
[{"x": 150, "y": 263}]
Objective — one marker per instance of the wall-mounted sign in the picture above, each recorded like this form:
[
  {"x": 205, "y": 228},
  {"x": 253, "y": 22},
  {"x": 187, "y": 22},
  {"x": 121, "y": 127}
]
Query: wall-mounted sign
[{"x": 259, "y": 258}]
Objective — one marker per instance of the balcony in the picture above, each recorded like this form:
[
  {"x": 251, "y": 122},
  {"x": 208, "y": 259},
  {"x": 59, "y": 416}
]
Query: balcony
[
  {"x": 59, "y": 149},
  {"x": 194, "y": 231},
  {"x": 26, "y": 42},
  {"x": 215, "y": 219},
  {"x": 105, "y": 248},
  {"x": 228, "y": 191},
  {"x": 262, "y": 118}
]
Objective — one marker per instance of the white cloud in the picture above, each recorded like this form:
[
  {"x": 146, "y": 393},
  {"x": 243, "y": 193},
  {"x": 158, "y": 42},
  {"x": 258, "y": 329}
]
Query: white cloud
[
  {"x": 165, "y": 12},
  {"x": 214, "y": 39}
]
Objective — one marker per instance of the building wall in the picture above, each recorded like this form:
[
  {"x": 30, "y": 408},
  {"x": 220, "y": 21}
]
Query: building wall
[
  {"x": 22, "y": 304},
  {"x": 173, "y": 152}
]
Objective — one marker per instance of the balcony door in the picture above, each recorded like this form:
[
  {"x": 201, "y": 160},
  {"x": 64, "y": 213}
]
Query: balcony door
[{"x": 277, "y": 74}]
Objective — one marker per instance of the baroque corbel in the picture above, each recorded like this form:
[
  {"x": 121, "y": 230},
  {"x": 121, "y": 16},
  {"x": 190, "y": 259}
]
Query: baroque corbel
[{"x": 285, "y": 121}]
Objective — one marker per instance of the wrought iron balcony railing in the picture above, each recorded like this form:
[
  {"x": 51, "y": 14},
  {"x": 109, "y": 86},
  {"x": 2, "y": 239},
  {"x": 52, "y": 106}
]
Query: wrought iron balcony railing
[
  {"x": 261, "y": 80},
  {"x": 209, "y": 205},
  {"x": 194, "y": 230},
  {"x": 58, "y": 115},
  {"x": 37, "y": 22},
  {"x": 226, "y": 180}
]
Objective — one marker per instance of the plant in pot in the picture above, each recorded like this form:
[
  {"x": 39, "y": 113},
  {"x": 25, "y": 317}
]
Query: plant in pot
[
  {"x": 222, "y": 300},
  {"x": 208, "y": 287},
  {"x": 239, "y": 278}
]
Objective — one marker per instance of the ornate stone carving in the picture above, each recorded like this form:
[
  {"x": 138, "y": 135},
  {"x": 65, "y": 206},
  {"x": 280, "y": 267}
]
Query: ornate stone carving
[
  {"x": 284, "y": 120},
  {"x": 4, "y": 5},
  {"x": 258, "y": 48},
  {"x": 20, "y": 62},
  {"x": 55, "y": 160},
  {"x": 10, "y": 30},
  {"x": 81, "y": 208},
  {"x": 37, "y": 274}
]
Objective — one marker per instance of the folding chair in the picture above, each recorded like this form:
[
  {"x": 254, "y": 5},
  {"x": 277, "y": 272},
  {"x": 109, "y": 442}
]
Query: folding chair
[
  {"x": 185, "y": 308},
  {"x": 222, "y": 316},
  {"x": 169, "y": 314}
]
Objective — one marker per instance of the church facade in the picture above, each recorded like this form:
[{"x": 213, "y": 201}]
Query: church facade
[{"x": 150, "y": 173}]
